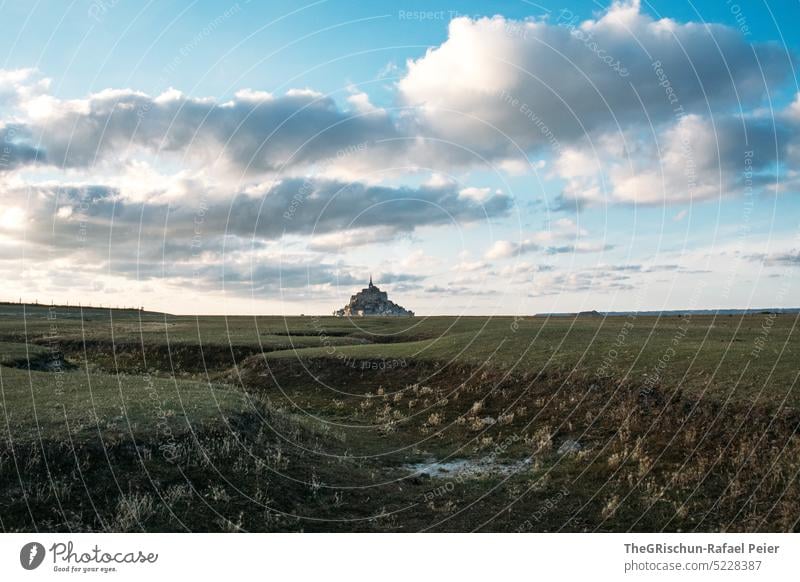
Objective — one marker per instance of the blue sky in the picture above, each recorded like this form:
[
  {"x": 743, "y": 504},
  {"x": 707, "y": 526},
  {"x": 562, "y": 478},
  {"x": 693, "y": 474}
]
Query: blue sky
[
  {"x": 503, "y": 157},
  {"x": 88, "y": 45}
]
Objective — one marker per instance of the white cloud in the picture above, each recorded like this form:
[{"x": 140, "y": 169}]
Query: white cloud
[
  {"x": 679, "y": 216},
  {"x": 496, "y": 84},
  {"x": 12, "y": 218},
  {"x": 469, "y": 266},
  {"x": 360, "y": 102},
  {"x": 419, "y": 259},
  {"x": 344, "y": 240},
  {"x": 504, "y": 249},
  {"x": 560, "y": 229},
  {"x": 694, "y": 159},
  {"x": 561, "y": 236},
  {"x": 253, "y": 96},
  {"x": 591, "y": 281},
  {"x": 477, "y": 194},
  {"x": 20, "y": 85}
]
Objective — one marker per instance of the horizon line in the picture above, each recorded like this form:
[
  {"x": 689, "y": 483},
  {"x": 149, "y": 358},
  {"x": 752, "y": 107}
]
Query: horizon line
[{"x": 585, "y": 313}]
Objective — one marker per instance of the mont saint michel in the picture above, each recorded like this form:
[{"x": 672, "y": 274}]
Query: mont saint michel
[{"x": 370, "y": 302}]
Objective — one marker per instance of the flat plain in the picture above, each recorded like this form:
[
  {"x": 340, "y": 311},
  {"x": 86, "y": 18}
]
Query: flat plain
[{"x": 135, "y": 421}]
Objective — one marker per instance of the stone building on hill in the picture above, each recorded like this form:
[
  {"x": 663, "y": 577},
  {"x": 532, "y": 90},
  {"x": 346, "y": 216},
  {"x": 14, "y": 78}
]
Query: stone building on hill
[{"x": 371, "y": 301}]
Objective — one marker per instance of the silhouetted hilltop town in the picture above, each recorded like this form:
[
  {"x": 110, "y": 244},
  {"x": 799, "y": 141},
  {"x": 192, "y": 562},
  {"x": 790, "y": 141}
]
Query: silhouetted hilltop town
[{"x": 371, "y": 301}]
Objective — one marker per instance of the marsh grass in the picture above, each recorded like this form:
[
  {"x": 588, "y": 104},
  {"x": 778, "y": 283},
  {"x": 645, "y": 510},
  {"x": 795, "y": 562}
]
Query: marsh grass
[{"x": 165, "y": 436}]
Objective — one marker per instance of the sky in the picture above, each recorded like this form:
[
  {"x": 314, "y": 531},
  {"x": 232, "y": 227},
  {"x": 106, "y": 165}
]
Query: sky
[{"x": 508, "y": 157}]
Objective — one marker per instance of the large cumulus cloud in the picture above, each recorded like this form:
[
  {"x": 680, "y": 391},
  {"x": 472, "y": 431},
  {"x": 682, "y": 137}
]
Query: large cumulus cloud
[
  {"x": 254, "y": 132},
  {"x": 495, "y": 80}
]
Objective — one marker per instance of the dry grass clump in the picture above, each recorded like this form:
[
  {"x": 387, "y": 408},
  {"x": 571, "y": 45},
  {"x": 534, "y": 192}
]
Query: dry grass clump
[{"x": 133, "y": 510}]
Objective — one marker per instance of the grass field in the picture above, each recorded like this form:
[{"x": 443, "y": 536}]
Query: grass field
[{"x": 137, "y": 421}]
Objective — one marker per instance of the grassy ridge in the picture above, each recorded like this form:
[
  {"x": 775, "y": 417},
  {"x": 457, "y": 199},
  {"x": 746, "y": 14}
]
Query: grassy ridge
[
  {"x": 56, "y": 405},
  {"x": 738, "y": 357}
]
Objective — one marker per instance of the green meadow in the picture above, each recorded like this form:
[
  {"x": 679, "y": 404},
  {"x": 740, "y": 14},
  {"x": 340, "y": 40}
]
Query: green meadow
[{"x": 114, "y": 420}]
